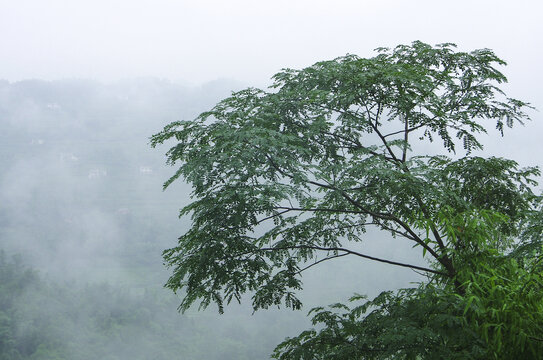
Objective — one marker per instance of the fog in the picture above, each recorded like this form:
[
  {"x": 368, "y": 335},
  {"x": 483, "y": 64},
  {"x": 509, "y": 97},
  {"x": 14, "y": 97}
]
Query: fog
[
  {"x": 200, "y": 41},
  {"x": 82, "y": 87},
  {"x": 83, "y": 206}
]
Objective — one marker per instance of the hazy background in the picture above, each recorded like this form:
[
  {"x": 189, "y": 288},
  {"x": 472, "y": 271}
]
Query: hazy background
[
  {"x": 193, "y": 42},
  {"x": 82, "y": 87},
  {"x": 198, "y": 41}
]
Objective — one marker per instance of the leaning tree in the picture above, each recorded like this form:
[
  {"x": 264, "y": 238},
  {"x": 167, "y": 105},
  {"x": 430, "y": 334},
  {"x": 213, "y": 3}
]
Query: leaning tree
[{"x": 287, "y": 178}]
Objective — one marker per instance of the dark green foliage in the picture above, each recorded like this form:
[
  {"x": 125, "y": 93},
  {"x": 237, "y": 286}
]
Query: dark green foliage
[
  {"x": 499, "y": 316},
  {"x": 288, "y": 178},
  {"x": 410, "y": 324}
]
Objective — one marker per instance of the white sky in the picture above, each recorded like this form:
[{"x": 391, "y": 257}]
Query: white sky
[{"x": 198, "y": 41}]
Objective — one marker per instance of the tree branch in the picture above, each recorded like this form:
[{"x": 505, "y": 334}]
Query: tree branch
[
  {"x": 364, "y": 210},
  {"x": 318, "y": 209},
  {"x": 347, "y": 251},
  {"x": 384, "y": 141},
  {"x": 274, "y": 215},
  {"x": 321, "y": 260},
  {"x": 403, "y": 131},
  {"x": 405, "y": 139}
]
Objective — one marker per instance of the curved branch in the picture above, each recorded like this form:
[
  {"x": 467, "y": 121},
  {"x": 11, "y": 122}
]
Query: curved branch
[
  {"x": 286, "y": 210},
  {"x": 322, "y": 260},
  {"x": 351, "y": 252},
  {"x": 403, "y": 131},
  {"x": 318, "y": 210}
]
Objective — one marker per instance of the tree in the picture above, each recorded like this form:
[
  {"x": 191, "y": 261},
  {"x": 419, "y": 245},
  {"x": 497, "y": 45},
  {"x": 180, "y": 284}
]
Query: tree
[{"x": 286, "y": 179}]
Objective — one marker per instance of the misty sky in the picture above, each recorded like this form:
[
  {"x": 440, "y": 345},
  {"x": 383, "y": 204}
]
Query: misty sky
[{"x": 198, "y": 41}]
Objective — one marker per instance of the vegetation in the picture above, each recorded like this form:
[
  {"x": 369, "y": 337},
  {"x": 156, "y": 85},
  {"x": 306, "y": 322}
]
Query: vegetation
[
  {"x": 286, "y": 179},
  {"x": 44, "y": 320}
]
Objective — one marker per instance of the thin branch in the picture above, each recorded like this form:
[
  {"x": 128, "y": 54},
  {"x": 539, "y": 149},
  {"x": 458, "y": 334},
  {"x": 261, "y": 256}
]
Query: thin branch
[
  {"x": 384, "y": 141},
  {"x": 356, "y": 143},
  {"x": 314, "y": 247},
  {"x": 358, "y": 146},
  {"x": 402, "y": 131},
  {"x": 394, "y": 231},
  {"x": 405, "y": 139},
  {"x": 318, "y": 210},
  {"x": 437, "y": 236},
  {"x": 273, "y": 216},
  {"x": 321, "y": 260}
]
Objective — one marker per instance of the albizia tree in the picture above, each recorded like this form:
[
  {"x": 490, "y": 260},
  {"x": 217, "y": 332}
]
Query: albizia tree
[{"x": 288, "y": 178}]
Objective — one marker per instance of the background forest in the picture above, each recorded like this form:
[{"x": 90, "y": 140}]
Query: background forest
[{"x": 83, "y": 222}]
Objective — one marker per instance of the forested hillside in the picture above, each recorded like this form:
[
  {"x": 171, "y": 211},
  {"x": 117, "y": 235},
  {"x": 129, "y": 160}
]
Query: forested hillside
[
  {"x": 83, "y": 222},
  {"x": 47, "y": 320}
]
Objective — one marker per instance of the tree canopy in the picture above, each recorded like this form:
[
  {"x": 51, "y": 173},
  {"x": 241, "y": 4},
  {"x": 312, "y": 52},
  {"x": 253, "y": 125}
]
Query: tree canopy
[{"x": 287, "y": 178}]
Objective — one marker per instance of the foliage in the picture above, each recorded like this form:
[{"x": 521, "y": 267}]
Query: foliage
[
  {"x": 288, "y": 178},
  {"x": 500, "y": 316},
  {"x": 409, "y": 324},
  {"x": 503, "y": 306}
]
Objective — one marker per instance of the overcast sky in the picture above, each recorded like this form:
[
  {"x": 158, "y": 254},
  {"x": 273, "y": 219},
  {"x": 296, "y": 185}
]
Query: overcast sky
[
  {"x": 249, "y": 40},
  {"x": 198, "y": 41}
]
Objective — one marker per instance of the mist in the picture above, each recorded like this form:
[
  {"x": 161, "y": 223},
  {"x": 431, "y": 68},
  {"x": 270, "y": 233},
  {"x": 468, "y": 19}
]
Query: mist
[
  {"x": 84, "y": 211},
  {"x": 83, "y": 216}
]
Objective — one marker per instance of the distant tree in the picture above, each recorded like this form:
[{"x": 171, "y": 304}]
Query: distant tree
[
  {"x": 286, "y": 179},
  {"x": 15, "y": 278}
]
